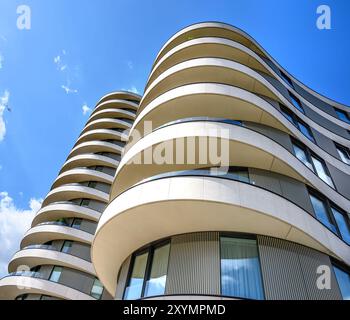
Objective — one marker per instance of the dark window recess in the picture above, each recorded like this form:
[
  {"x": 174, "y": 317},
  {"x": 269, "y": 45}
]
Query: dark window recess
[
  {"x": 296, "y": 102},
  {"x": 343, "y": 153},
  {"x": 342, "y": 115},
  {"x": 298, "y": 123},
  {"x": 286, "y": 79}
]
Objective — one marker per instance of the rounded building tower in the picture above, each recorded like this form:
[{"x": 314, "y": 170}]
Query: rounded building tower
[
  {"x": 265, "y": 225},
  {"x": 54, "y": 261}
]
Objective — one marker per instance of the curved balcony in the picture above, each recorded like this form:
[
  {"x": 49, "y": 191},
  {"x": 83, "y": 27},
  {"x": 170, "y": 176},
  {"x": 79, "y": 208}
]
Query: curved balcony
[
  {"x": 198, "y": 99},
  {"x": 93, "y": 147},
  {"x": 87, "y": 160},
  {"x": 106, "y": 123},
  {"x": 226, "y": 72},
  {"x": 120, "y": 95},
  {"x": 229, "y": 32},
  {"x": 102, "y": 134},
  {"x": 111, "y": 113},
  {"x": 196, "y": 204},
  {"x": 19, "y": 283},
  {"x": 81, "y": 175},
  {"x": 74, "y": 191},
  {"x": 63, "y": 209},
  {"x": 117, "y": 104},
  {"x": 255, "y": 150},
  {"x": 48, "y": 255},
  {"x": 49, "y": 232},
  {"x": 223, "y": 49}
]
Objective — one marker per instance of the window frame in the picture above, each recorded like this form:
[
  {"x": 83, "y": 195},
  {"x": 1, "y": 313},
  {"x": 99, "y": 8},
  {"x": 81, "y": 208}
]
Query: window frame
[
  {"x": 311, "y": 155},
  {"x": 296, "y": 102},
  {"x": 241, "y": 235},
  {"x": 346, "y": 115},
  {"x": 342, "y": 267},
  {"x": 52, "y": 271},
  {"x": 287, "y": 79},
  {"x": 343, "y": 149},
  {"x": 329, "y": 205},
  {"x": 296, "y": 121},
  {"x": 150, "y": 250}
]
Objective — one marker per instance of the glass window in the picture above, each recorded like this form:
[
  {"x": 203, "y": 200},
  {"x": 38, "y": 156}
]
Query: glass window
[
  {"x": 302, "y": 156},
  {"x": 296, "y": 102},
  {"x": 76, "y": 223},
  {"x": 156, "y": 283},
  {"x": 343, "y": 279},
  {"x": 322, "y": 171},
  {"x": 344, "y": 154},
  {"x": 286, "y": 79},
  {"x": 343, "y": 224},
  {"x": 240, "y": 268},
  {"x": 320, "y": 209},
  {"x": 287, "y": 114},
  {"x": 56, "y": 274},
  {"x": 67, "y": 245},
  {"x": 240, "y": 174},
  {"x": 305, "y": 130},
  {"x": 85, "y": 202},
  {"x": 97, "y": 289},
  {"x": 134, "y": 289},
  {"x": 342, "y": 115}
]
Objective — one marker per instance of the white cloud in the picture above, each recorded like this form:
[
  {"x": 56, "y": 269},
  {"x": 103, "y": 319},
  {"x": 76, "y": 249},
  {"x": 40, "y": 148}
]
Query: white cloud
[
  {"x": 4, "y": 100},
  {"x": 86, "y": 109},
  {"x": 69, "y": 90},
  {"x": 66, "y": 72},
  {"x": 130, "y": 65},
  {"x": 14, "y": 222}
]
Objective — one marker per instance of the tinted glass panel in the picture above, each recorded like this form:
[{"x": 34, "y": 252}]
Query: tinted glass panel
[
  {"x": 56, "y": 274},
  {"x": 67, "y": 246},
  {"x": 97, "y": 289},
  {"x": 343, "y": 279},
  {"x": 342, "y": 115},
  {"x": 321, "y": 213},
  {"x": 343, "y": 154},
  {"x": 296, "y": 102},
  {"x": 305, "y": 130},
  {"x": 156, "y": 284},
  {"x": 302, "y": 156},
  {"x": 321, "y": 171},
  {"x": 134, "y": 289},
  {"x": 240, "y": 268},
  {"x": 343, "y": 225}
]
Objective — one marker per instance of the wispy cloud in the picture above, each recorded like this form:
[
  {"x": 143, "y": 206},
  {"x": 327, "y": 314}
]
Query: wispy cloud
[
  {"x": 130, "y": 65},
  {"x": 68, "y": 89},
  {"x": 63, "y": 67},
  {"x": 4, "y": 100},
  {"x": 14, "y": 222},
  {"x": 86, "y": 109}
]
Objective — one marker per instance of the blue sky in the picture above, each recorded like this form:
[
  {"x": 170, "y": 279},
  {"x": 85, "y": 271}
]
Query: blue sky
[{"x": 76, "y": 51}]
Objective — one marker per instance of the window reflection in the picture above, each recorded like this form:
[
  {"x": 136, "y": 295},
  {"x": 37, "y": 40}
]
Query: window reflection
[{"x": 240, "y": 268}]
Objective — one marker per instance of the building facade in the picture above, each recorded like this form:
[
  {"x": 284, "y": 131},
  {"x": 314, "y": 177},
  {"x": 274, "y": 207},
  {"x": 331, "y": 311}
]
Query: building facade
[{"x": 234, "y": 184}]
